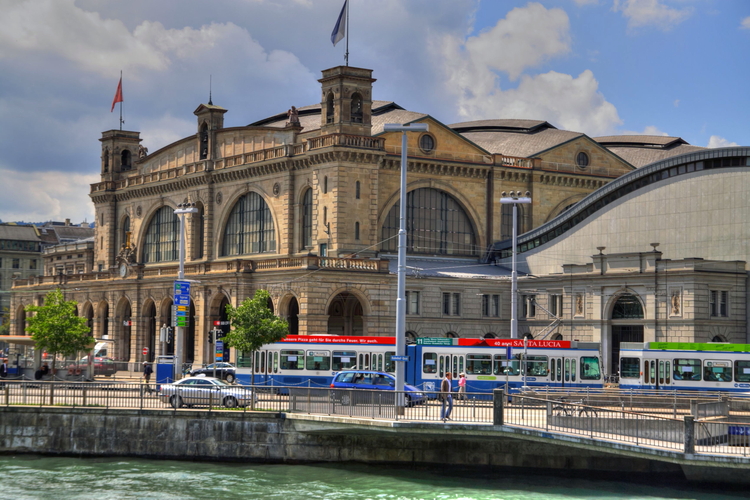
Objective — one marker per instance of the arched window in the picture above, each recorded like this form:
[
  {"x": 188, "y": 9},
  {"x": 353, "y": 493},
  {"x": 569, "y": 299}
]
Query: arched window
[
  {"x": 356, "y": 190},
  {"x": 250, "y": 228},
  {"x": 325, "y": 184},
  {"x": 582, "y": 160},
  {"x": 356, "y": 108},
  {"x": 125, "y": 160},
  {"x": 307, "y": 209},
  {"x": 490, "y": 335},
  {"x": 198, "y": 231},
  {"x": 627, "y": 307},
  {"x": 451, "y": 335},
  {"x": 435, "y": 224},
  {"x": 356, "y": 230},
  {"x": 203, "y": 146},
  {"x": 506, "y": 221},
  {"x": 162, "y": 237},
  {"x": 124, "y": 232},
  {"x": 329, "y": 108},
  {"x": 718, "y": 338},
  {"x": 106, "y": 160}
]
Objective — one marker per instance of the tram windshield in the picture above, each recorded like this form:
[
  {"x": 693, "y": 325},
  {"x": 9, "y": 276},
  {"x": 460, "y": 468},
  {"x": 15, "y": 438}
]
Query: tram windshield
[
  {"x": 630, "y": 368},
  {"x": 742, "y": 371},
  {"x": 590, "y": 368}
]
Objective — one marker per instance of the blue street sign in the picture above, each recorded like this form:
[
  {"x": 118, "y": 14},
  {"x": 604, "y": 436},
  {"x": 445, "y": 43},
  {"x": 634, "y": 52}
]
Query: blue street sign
[
  {"x": 508, "y": 352},
  {"x": 181, "y": 302},
  {"x": 400, "y": 358}
]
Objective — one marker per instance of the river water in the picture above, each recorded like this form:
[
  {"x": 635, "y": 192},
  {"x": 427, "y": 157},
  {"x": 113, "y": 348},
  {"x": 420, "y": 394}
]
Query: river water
[{"x": 31, "y": 477}]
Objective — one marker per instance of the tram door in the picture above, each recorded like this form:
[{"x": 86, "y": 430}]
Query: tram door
[
  {"x": 364, "y": 361},
  {"x": 451, "y": 363},
  {"x": 562, "y": 371},
  {"x": 657, "y": 372}
]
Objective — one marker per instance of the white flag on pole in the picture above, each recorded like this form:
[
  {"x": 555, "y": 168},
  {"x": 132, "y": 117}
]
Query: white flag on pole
[{"x": 339, "y": 31}]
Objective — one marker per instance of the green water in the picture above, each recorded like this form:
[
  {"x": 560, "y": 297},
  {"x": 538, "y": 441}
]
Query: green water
[{"x": 31, "y": 477}]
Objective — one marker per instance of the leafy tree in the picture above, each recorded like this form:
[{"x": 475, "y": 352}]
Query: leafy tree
[
  {"x": 5, "y": 318},
  {"x": 56, "y": 328},
  {"x": 254, "y": 325}
]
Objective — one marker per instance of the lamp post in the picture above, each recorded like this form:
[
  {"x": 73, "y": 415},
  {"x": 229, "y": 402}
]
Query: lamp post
[
  {"x": 514, "y": 198},
  {"x": 182, "y": 210},
  {"x": 401, "y": 287}
]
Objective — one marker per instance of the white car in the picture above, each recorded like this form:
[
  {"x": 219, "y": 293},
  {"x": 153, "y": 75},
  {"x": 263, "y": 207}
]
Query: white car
[{"x": 204, "y": 391}]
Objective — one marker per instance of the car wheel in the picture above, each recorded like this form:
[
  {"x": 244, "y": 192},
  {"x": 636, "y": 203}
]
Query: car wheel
[
  {"x": 175, "y": 401},
  {"x": 230, "y": 377},
  {"x": 230, "y": 402}
]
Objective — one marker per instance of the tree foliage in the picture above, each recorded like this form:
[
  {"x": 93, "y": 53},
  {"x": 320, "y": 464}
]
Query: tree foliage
[
  {"x": 254, "y": 324},
  {"x": 5, "y": 318},
  {"x": 56, "y": 328}
]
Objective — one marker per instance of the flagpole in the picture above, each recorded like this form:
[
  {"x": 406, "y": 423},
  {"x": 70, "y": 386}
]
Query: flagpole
[
  {"x": 346, "y": 56},
  {"x": 121, "y": 102}
]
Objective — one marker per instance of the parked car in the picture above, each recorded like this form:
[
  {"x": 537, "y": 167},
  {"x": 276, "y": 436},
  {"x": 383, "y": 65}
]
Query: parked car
[
  {"x": 202, "y": 391},
  {"x": 224, "y": 371},
  {"x": 374, "y": 381},
  {"x": 102, "y": 366}
]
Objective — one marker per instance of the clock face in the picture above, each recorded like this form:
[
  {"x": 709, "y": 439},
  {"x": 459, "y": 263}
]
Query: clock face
[{"x": 123, "y": 270}]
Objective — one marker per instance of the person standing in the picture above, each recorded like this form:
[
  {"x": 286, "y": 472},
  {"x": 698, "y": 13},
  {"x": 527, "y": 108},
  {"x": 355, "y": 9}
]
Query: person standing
[
  {"x": 446, "y": 397},
  {"x": 4, "y": 369},
  {"x": 462, "y": 386},
  {"x": 147, "y": 371}
]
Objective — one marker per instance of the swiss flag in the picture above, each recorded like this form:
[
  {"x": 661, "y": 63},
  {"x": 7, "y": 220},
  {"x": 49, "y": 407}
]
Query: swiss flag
[{"x": 118, "y": 95}]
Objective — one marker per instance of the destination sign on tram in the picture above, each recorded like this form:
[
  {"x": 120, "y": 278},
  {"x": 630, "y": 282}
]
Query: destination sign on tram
[{"x": 336, "y": 339}]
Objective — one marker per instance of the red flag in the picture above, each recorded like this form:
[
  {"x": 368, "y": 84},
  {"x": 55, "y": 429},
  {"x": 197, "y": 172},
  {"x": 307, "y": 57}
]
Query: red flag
[{"x": 118, "y": 95}]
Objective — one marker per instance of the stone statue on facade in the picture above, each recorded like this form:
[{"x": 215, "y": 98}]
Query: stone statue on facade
[
  {"x": 579, "y": 305},
  {"x": 142, "y": 152},
  {"x": 293, "y": 117},
  {"x": 676, "y": 303}
]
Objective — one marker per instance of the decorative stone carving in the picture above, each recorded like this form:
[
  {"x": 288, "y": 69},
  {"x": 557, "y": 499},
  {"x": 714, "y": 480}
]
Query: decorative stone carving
[
  {"x": 142, "y": 152},
  {"x": 219, "y": 198},
  {"x": 579, "y": 304},
  {"x": 276, "y": 189},
  {"x": 676, "y": 310},
  {"x": 138, "y": 211},
  {"x": 293, "y": 117}
]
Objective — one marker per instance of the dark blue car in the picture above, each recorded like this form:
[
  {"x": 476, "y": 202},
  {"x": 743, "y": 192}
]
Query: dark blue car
[{"x": 372, "y": 380}]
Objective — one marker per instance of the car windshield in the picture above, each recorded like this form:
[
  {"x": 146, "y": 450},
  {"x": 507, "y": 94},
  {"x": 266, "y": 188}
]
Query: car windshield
[{"x": 219, "y": 382}]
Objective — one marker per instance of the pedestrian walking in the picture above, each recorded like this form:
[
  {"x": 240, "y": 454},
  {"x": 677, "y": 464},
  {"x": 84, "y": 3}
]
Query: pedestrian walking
[
  {"x": 446, "y": 397},
  {"x": 462, "y": 386},
  {"x": 147, "y": 371}
]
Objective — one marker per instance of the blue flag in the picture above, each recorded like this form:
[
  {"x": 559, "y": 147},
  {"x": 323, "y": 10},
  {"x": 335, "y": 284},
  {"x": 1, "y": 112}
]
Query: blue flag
[{"x": 339, "y": 31}]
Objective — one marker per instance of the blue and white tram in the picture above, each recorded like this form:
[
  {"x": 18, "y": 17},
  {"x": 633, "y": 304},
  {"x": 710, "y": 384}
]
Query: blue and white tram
[
  {"x": 311, "y": 361},
  {"x": 685, "y": 366}
]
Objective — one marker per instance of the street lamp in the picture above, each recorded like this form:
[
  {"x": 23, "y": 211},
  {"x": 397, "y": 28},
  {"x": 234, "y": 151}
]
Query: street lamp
[
  {"x": 182, "y": 210},
  {"x": 401, "y": 287},
  {"x": 514, "y": 198}
]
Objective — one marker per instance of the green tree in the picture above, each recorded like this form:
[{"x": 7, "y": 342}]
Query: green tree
[
  {"x": 56, "y": 328},
  {"x": 254, "y": 325},
  {"x": 5, "y": 318}
]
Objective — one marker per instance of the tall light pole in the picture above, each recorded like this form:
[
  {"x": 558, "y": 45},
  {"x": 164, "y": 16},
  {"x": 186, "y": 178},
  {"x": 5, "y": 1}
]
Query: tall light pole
[
  {"x": 401, "y": 287},
  {"x": 514, "y": 198},
  {"x": 182, "y": 210}
]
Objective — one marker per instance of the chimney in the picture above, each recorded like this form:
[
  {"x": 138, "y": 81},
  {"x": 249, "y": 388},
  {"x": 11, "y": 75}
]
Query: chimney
[{"x": 67, "y": 222}]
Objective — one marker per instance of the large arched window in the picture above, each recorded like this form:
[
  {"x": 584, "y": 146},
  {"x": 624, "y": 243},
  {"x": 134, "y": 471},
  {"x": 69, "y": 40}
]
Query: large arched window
[
  {"x": 162, "y": 237},
  {"x": 125, "y": 230},
  {"x": 198, "y": 221},
  {"x": 356, "y": 114},
  {"x": 627, "y": 307},
  {"x": 329, "y": 108},
  {"x": 125, "y": 160},
  {"x": 307, "y": 216},
  {"x": 250, "y": 228},
  {"x": 435, "y": 224}
]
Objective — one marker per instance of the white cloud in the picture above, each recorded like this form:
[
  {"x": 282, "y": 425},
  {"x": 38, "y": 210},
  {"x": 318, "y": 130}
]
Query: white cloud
[
  {"x": 745, "y": 24},
  {"x": 43, "y": 196},
  {"x": 648, "y": 130},
  {"x": 581, "y": 3},
  {"x": 651, "y": 12},
  {"x": 719, "y": 142},
  {"x": 527, "y": 37}
]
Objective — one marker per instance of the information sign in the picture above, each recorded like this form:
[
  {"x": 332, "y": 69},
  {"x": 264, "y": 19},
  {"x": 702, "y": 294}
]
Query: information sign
[
  {"x": 434, "y": 341},
  {"x": 400, "y": 358},
  {"x": 181, "y": 303},
  {"x": 219, "y": 350}
]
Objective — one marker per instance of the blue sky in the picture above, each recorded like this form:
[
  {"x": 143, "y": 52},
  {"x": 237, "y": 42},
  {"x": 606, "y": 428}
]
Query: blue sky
[{"x": 675, "y": 67}]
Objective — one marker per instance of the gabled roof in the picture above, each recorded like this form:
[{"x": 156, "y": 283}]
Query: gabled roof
[
  {"x": 18, "y": 233},
  {"x": 641, "y": 150},
  {"x": 509, "y": 125}
]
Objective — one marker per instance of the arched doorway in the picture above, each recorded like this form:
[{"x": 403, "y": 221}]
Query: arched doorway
[
  {"x": 188, "y": 351},
  {"x": 627, "y": 308},
  {"x": 345, "y": 315},
  {"x": 21, "y": 321},
  {"x": 103, "y": 320},
  {"x": 292, "y": 316},
  {"x": 149, "y": 329},
  {"x": 88, "y": 312},
  {"x": 123, "y": 328}
]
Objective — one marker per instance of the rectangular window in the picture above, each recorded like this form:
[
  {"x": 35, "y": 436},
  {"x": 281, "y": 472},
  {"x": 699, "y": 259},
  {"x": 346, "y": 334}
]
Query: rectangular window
[
  {"x": 528, "y": 302},
  {"x": 429, "y": 362},
  {"x": 555, "y": 304},
  {"x": 717, "y": 371},
  {"x": 742, "y": 371},
  {"x": 324, "y": 250},
  {"x": 502, "y": 366},
  {"x": 719, "y": 303},
  {"x": 390, "y": 365},
  {"x": 292, "y": 360},
  {"x": 451, "y": 304},
  {"x": 16, "y": 263},
  {"x": 687, "y": 369},
  {"x": 343, "y": 360},
  {"x": 412, "y": 302},
  {"x": 32, "y": 264},
  {"x": 318, "y": 360},
  {"x": 479, "y": 364},
  {"x": 630, "y": 368},
  {"x": 536, "y": 366},
  {"x": 590, "y": 368},
  {"x": 490, "y": 306}
]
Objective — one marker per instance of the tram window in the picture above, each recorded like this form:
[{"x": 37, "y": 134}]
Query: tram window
[
  {"x": 262, "y": 362},
  {"x": 687, "y": 369},
  {"x": 292, "y": 360},
  {"x": 479, "y": 364},
  {"x": 361, "y": 363},
  {"x": 244, "y": 360},
  {"x": 630, "y": 368},
  {"x": 441, "y": 367},
  {"x": 717, "y": 371},
  {"x": 502, "y": 364},
  {"x": 572, "y": 370},
  {"x": 536, "y": 366},
  {"x": 343, "y": 360},
  {"x": 667, "y": 371},
  {"x": 590, "y": 368},
  {"x": 389, "y": 364},
  {"x": 275, "y": 362},
  {"x": 270, "y": 362},
  {"x": 318, "y": 360},
  {"x": 567, "y": 368},
  {"x": 257, "y": 361},
  {"x": 455, "y": 367},
  {"x": 742, "y": 371},
  {"x": 460, "y": 364},
  {"x": 377, "y": 362},
  {"x": 429, "y": 362}
]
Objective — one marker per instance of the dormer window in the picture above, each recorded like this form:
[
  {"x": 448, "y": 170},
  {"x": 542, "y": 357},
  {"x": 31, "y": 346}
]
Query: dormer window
[
  {"x": 329, "y": 108},
  {"x": 125, "y": 160},
  {"x": 356, "y": 116}
]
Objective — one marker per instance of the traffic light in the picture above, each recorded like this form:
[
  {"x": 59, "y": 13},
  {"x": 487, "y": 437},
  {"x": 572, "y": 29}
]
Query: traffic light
[
  {"x": 169, "y": 334},
  {"x": 210, "y": 336}
]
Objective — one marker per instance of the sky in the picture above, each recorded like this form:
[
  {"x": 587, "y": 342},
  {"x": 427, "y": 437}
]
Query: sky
[{"x": 602, "y": 67}]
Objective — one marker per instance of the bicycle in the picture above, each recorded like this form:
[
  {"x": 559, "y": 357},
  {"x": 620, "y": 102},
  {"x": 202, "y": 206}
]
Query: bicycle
[{"x": 564, "y": 409}]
